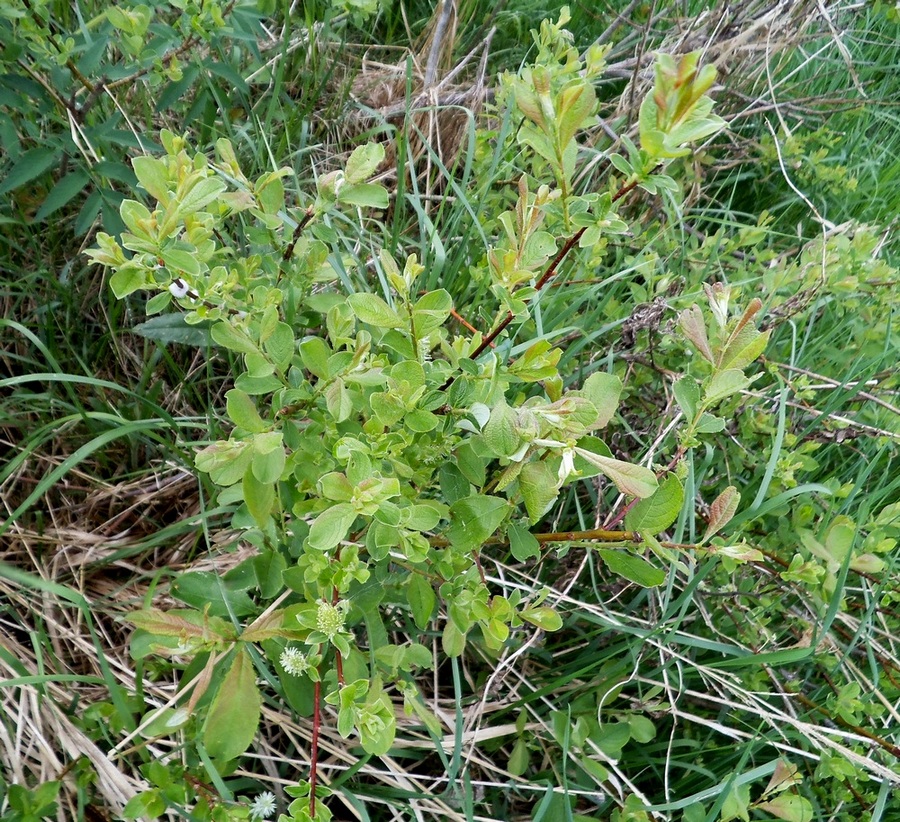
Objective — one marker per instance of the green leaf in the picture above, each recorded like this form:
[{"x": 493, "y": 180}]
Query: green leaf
[
  {"x": 33, "y": 163},
  {"x": 657, "y": 512},
  {"x": 621, "y": 164},
  {"x": 315, "y": 353},
  {"x": 137, "y": 217},
  {"x": 280, "y": 345},
  {"x": 172, "y": 328},
  {"x": 374, "y": 311},
  {"x": 519, "y": 758},
  {"x": 421, "y": 598},
  {"x": 642, "y": 729},
  {"x": 158, "y": 303},
  {"x": 474, "y": 519},
  {"x": 234, "y": 339},
  {"x": 65, "y": 190},
  {"x": 225, "y": 462},
  {"x": 538, "y": 485},
  {"x": 710, "y": 424},
  {"x": 544, "y": 617},
  {"x": 234, "y": 713},
  {"x": 338, "y": 400},
  {"x": 205, "y": 590},
  {"x": 331, "y": 526},
  {"x": 127, "y": 279},
  {"x": 88, "y": 213},
  {"x": 200, "y": 195},
  {"x": 632, "y": 567},
  {"x": 471, "y": 465},
  {"x": 269, "y": 192},
  {"x": 603, "y": 390},
  {"x": 144, "y": 805},
  {"x": 724, "y": 384},
  {"x": 268, "y": 456},
  {"x": 269, "y": 566},
  {"x": 152, "y": 174},
  {"x": 500, "y": 434},
  {"x": 736, "y": 804},
  {"x": 335, "y": 486},
  {"x": 364, "y": 162},
  {"x": 539, "y": 362},
  {"x": 421, "y": 421},
  {"x": 634, "y": 480},
  {"x": 453, "y": 640},
  {"x": 687, "y": 395},
  {"x": 179, "y": 260},
  {"x": 431, "y": 311},
  {"x": 744, "y": 347},
  {"x": 612, "y": 738},
  {"x": 365, "y": 195},
  {"x": 259, "y": 498},
  {"x": 242, "y": 412},
  {"x": 380, "y": 538},
  {"x": 523, "y": 544}
]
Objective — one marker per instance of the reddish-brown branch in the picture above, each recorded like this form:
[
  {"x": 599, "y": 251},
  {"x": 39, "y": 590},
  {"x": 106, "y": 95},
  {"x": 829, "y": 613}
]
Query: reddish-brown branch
[
  {"x": 463, "y": 321},
  {"x": 597, "y": 533},
  {"x": 548, "y": 275},
  {"x": 314, "y": 748},
  {"x": 307, "y": 216}
]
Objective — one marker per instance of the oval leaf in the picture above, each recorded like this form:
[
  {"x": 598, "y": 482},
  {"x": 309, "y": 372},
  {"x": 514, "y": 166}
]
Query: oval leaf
[
  {"x": 634, "y": 480},
  {"x": 631, "y": 567},
  {"x": 722, "y": 510},
  {"x": 658, "y": 512},
  {"x": 234, "y": 714},
  {"x": 372, "y": 310}
]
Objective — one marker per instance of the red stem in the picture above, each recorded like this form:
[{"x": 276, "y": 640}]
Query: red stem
[
  {"x": 548, "y": 274},
  {"x": 314, "y": 752}
]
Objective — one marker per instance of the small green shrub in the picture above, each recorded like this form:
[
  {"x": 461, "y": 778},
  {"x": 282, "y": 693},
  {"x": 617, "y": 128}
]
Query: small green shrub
[{"x": 377, "y": 449}]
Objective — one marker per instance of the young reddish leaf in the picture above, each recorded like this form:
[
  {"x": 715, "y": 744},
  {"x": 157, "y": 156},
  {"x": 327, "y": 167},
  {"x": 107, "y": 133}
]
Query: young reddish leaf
[
  {"x": 266, "y": 626},
  {"x": 634, "y": 480},
  {"x": 721, "y": 511},
  {"x": 691, "y": 323},
  {"x": 788, "y": 806},
  {"x": 181, "y": 623},
  {"x": 784, "y": 776}
]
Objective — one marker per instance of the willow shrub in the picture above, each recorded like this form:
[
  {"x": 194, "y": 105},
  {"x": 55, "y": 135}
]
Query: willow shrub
[{"x": 378, "y": 446}]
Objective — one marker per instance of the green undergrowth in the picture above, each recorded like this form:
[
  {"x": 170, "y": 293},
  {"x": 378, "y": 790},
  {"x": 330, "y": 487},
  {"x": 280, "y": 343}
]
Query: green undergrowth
[{"x": 752, "y": 682}]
